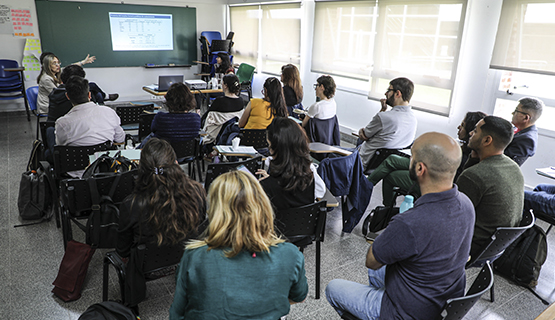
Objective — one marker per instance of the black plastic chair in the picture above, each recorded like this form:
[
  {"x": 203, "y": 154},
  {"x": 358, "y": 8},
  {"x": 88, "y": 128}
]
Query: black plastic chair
[
  {"x": 68, "y": 159},
  {"x": 76, "y": 202},
  {"x": 130, "y": 115},
  {"x": 500, "y": 240},
  {"x": 216, "y": 169},
  {"x": 155, "y": 259},
  {"x": 302, "y": 226},
  {"x": 188, "y": 152},
  {"x": 457, "y": 308},
  {"x": 145, "y": 121},
  {"x": 255, "y": 138}
]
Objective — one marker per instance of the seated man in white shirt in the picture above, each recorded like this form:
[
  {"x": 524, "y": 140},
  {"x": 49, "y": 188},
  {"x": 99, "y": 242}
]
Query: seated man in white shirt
[
  {"x": 87, "y": 123},
  {"x": 393, "y": 129}
]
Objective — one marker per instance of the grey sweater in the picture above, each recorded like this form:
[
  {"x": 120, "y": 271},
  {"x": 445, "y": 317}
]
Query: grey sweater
[{"x": 495, "y": 186}]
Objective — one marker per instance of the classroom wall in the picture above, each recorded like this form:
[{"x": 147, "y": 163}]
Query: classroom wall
[
  {"x": 471, "y": 92},
  {"x": 126, "y": 81}
]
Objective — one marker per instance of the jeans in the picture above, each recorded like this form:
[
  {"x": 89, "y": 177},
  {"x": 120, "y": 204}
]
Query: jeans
[
  {"x": 394, "y": 171},
  {"x": 362, "y": 301},
  {"x": 541, "y": 199}
]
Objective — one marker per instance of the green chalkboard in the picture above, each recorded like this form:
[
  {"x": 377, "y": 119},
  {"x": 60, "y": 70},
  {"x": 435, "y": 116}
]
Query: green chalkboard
[{"x": 74, "y": 29}]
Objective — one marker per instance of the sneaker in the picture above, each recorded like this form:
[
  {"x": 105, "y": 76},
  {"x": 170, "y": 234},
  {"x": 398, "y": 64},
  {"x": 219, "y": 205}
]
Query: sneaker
[{"x": 112, "y": 97}]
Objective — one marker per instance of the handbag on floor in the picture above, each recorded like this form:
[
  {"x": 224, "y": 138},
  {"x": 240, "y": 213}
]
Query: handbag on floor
[
  {"x": 378, "y": 219},
  {"x": 72, "y": 272},
  {"x": 35, "y": 188},
  {"x": 108, "y": 310}
]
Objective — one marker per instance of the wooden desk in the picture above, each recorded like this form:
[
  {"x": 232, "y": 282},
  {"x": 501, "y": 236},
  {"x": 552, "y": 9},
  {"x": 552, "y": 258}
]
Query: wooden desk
[
  {"x": 547, "y": 172},
  {"x": 162, "y": 93},
  {"x": 547, "y": 314},
  {"x": 318, "y": 147},
  {"x": 331, "y": 201},
  {"x": 242, "y": 151}
]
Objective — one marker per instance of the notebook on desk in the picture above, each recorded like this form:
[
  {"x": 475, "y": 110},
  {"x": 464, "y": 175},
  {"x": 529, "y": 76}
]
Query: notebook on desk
[{"x": 165, "y": 82}]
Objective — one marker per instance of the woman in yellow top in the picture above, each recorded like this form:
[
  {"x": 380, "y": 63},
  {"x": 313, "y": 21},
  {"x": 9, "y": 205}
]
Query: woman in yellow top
[{"x": 260, "y": 112}]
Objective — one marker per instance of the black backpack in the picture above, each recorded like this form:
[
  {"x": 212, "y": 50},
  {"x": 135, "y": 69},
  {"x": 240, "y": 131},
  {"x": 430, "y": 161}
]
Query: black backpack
[
  {"x": 523, "y": 259},
  {"x": 107, "y": 164},
  {"x": 108, "y": 310},
  {"x": 102, "y": 226}
]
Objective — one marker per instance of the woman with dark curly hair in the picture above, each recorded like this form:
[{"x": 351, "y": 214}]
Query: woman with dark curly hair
[
  {"x": 166, "y": 208},
  {"x": 259, "y": 113},
  {"x": 181, "y": 123},
  {"x": 166, "y": 205},
  {"x": 292, "y": 180}
]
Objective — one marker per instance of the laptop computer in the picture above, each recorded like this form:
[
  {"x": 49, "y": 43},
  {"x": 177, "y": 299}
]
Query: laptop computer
[{"x": 165, "y": 82}]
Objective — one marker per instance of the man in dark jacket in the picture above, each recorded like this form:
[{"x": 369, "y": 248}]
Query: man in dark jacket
[{"x": 525, "y": 138}]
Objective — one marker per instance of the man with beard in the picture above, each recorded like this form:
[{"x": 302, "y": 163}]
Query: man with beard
[
  {"x": 495, "y": 184},
  {"x": 393, "y": 129},
  {"x": 411, "y": 276}
]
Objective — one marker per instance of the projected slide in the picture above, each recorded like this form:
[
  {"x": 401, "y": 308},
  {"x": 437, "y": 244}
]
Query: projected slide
[{"x": 141, "y": 31}]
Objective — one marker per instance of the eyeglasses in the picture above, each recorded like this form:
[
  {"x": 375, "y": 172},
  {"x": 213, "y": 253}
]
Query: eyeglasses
[
  {"x": 316, "y": 85},
  {"x": 56, "y": 64},
  {"x": 516, "y": 110}
]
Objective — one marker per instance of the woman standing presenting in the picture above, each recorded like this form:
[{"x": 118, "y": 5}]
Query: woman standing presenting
[
  {"x": 240, "y": 269},
  {"x": 260, "y": 112}
]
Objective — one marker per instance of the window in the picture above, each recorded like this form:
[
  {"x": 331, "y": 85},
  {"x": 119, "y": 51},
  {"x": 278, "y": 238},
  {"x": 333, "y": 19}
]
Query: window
[
  {"x": 344, "y": 34},
  {"x": 419, "y": 40},
  {"x": 523, "y": 52},
  {"x": 269, "y": 32},
  {"x": 526, "y": 37},
  {"x": 244, "y": 22},
  {"x": 515, "y": 85}
]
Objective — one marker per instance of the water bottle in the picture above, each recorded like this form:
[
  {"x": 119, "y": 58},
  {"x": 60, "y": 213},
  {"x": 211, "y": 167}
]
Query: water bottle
[{"x": 407, "y": 204}]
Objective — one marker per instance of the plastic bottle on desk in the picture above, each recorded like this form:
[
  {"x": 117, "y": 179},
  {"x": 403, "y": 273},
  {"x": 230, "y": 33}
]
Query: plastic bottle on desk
[{"x": 407, "y": 204}]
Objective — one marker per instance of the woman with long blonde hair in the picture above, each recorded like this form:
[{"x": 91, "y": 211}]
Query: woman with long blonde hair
[{"x": 240, "y": 269}]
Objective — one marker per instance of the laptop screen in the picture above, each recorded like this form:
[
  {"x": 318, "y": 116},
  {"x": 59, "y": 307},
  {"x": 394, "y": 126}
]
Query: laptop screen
[{"x": 164, "y": 82}]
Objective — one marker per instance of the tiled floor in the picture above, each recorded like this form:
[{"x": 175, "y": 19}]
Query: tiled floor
[{"x": 30, "y": 257}]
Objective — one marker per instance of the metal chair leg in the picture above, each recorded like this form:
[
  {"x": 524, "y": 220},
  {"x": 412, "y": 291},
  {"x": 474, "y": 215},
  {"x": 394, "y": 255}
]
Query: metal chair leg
[
  {"x": 105, "y": 276},
  {"x": 492, "y": 296},
  {"x": 317, "y": 295}
]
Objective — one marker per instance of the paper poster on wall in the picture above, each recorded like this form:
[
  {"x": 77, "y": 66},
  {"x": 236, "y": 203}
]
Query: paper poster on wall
[
  {"x": 5, "y": 20},
  {"x": 22, "y": 23},
  {"x": 31, "y": 55}
]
